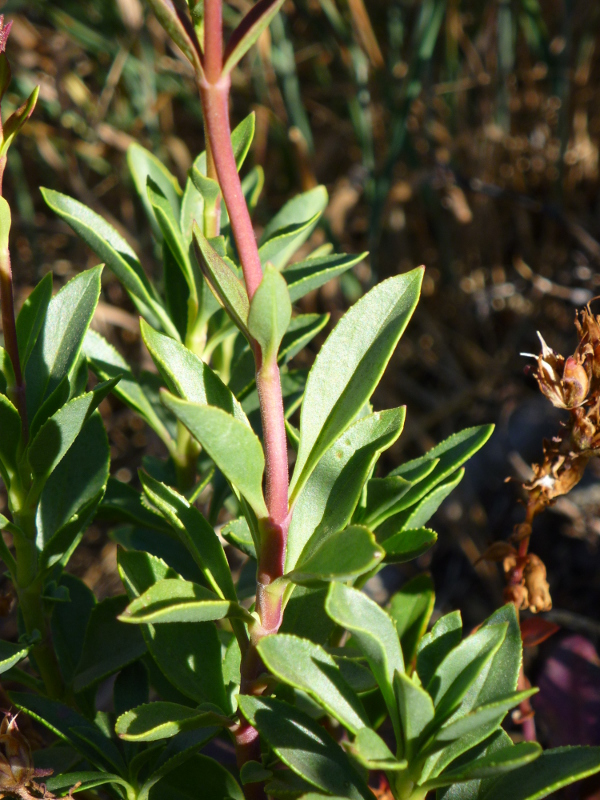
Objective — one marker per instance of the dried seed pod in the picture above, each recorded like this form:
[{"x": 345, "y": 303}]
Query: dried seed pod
[{"x": 537, "y": 585}]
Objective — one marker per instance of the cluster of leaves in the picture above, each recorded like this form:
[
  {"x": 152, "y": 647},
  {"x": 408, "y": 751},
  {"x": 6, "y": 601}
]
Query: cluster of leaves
[{"x": 183, "y": 629}]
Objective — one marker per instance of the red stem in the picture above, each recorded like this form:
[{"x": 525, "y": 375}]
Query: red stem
[{"x": 215, "y": 103}]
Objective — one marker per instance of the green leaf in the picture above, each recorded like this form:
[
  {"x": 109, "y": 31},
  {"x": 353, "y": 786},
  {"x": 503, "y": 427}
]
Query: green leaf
[
  {"x": 59, "y": 342},
  {"x": 349, "y": 366},
  {"x": 327, "y": 501},
  {"x": 169, "y": 226},
  {"x": 143, "y": 166},
  {"x": 248, "y": 30},
  {"x": 195, "y": 534},
  {"x": 291, "y": 226},
  {"x": 16, "y": 121},
  {"x": 408, "y": 544},
  {"x": 57, "y": 434},
  {"x": 416, "y": 516},
  {"x": 192, "y": 663},
  {"x": 382, "y": 495},
  {"x": 452, "y": 454},
  {"x": 547, "y": 774},
  {"x": 69, "y": 622},
  {"x": 84, "y": 781},
  {"x": 7, "y": 375},
  {"x": 270, "y": 313},
  {"x": 302, "y": 329},
  {"x": 72, "y": 493},
  {"x": 416, "y": 711},
  {"x": 462, "y": 666},
  {"x": 31, "y": 317},
  {"x": 305, "y": 615},
  {"x": 10, "y": 440},
  {"x": 227, "y": 287},
  {"x": 369, "y": 749},
  {"x": 11, "y": 654},
  {"x": 304, "y": 746},
  {"x": 192, "y": 205},
  {"x": 435, "y": 645},
  {"x": 72, "y": 727},
  {"x": 231, "y": 444},
  {"x": 108, "y": 645},
  {"x": 113, "y": 250},
  {"x": 107, "y": 363},
  {"x": 411, "y": 609},
  {"x": 173, "y": 756},
  {"x": 491, "y": 712},
  {"x": 123, "y": 503},
  {"x": 175, "y": 600},
  {"x": 186, "y": 374},
  {"x": 181, "y": 31},
  {"x": 306, "y": 666},
  {"x": 237, "y": 532},
  {"x": 342, "y": 556},
  {"x": 306, "y": 276},
  {"x": 491, "y": 764},
  {"x": 158, "y": 720},
  {"x": 198, "y": 773},
  {"x": 254, "y": 772},
  {"x": 496, "y": 680},
  {"x": 375, "y": 635}
]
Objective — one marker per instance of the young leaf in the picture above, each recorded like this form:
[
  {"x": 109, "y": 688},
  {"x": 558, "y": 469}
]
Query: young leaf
[
  {"x": 435, "y": 645},
  {"x": 144, "y": 165},
  {"x": 462, "y": 666},
  {"x": 186, "y": 374},
  {"x": 349, "y": 366},
  {"x": 31, "y": 317},
  {"x": 194, "y": 533},
  {"x": 342, "y": 556},
  {"x": 291, "y": 226},
  {"x": 270, "y": 313},
  {"x": 304, "y": 746},
  {"x": 179, "y": 27},
  {"x": 16, "y": 121},
  {"x": 173, "y": 600},
  {"x": 301, "y": 330},
  {"x": 451, "y": 454},
  {"x": 411, "y": 609},
  {"x": 108, "y": 646},
  {"x": 375, "y": 634},
  {"x": 328, "y": 499},
  {"x": 169, "y": 226},
  {"x": 481, "y": 716},
  {"x": 306, "y": 666},
  {"x": 416, "y": 711},
  {"x": 227, "y": 287},
  {"x": 59, "y": 432},
  {"x": 306, "y": 276},
  {"x": 232, "y": 445},
  {"x": 248, "y": 30},
  {"x": 418, "y": 515},
  {"x": 382, "y": 495},
  {"x": 59, "y": 342},
  {"x": 158, "y": 720}
]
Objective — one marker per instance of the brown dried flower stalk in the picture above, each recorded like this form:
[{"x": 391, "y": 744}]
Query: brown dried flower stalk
[{"x": 572, "y": 384}]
